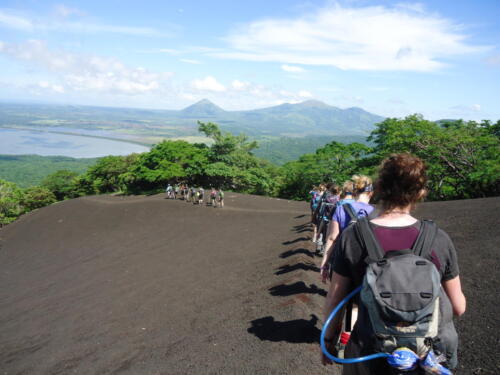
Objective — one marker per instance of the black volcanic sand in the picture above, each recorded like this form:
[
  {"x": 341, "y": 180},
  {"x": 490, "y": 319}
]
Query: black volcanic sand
[{"x": 145, "y": 285}]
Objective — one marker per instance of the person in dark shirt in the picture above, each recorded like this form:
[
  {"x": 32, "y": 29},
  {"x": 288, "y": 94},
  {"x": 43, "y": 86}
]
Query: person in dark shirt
[{"x": 400, "y": 185}]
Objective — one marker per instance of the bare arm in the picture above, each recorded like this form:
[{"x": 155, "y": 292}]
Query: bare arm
[
  {"x": 453, "y": 290},
  {"x": 333, "y": 233}
]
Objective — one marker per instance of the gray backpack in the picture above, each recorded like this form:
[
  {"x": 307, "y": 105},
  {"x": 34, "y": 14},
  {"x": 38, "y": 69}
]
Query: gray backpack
[{"x": 402, "y": 296}]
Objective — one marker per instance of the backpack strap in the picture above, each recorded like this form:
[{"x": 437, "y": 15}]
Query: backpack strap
[
  {"x": 368, "y": 240},
  {"x": 349, "y": 209},
  {"x": 425, "y": 239}
]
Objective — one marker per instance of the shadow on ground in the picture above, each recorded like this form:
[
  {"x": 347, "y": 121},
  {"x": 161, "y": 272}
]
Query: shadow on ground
[{"x": 293, "y": 331}]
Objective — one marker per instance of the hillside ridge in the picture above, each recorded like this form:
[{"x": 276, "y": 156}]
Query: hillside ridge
[{"x": 142, "y": 285}]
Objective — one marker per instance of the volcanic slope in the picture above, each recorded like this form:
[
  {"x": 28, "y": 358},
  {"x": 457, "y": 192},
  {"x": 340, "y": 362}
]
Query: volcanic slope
[{"x": 145, "y": 285}]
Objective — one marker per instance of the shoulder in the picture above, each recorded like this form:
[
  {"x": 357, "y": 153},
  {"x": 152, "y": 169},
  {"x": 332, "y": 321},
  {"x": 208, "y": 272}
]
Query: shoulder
[
  {"x": 339, "y": 211},
  {"x": 442, "y": 242},
  {"x": 362, "y": 205}
]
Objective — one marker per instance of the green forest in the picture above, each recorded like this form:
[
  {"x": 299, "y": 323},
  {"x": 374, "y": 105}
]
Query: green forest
[
  {"x": 30, "y": 170},
  {"x": 463, "y": 161}
]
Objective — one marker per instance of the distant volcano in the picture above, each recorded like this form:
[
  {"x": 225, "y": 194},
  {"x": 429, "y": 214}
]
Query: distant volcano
[{"x": 203, "y": 108}]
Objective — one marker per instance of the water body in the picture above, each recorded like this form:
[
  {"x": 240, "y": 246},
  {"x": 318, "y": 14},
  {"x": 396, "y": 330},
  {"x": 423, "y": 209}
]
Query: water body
[{"x": 19, "y": 142}]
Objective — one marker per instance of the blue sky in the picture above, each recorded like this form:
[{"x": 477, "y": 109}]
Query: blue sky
[{"x": 439, "y": 58}]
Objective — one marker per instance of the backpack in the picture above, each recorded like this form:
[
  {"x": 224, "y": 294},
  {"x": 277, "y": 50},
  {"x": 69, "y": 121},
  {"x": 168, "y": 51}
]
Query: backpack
[
  {"x": 316, "y": 199},
  {"x": 401, "y": 294}
]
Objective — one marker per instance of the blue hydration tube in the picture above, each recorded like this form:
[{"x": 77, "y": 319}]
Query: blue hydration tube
[{"x": 325, "y": 328}]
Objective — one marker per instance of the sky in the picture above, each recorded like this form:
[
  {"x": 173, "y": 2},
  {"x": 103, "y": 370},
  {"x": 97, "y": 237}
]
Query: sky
[{"x": 438, "y": 58}]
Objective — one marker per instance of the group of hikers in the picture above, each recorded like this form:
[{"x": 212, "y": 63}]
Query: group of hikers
[
  {"x": 195, "y": 195},
  {"x": 406, "y": 270}
]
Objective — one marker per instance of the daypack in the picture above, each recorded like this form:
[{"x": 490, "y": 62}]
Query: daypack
[
  {"x": 316, "y": 199},
  {"x": 403, "y": 298},
  {"x": 329, "y": 206}
]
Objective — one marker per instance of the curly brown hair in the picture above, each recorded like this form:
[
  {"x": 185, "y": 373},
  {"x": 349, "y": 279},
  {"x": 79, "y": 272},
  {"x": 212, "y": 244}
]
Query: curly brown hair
[{"x": 401, "y": 181}]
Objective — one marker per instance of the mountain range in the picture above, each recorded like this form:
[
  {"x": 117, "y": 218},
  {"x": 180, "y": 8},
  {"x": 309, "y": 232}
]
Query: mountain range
[{"x": 309, "y": 118}]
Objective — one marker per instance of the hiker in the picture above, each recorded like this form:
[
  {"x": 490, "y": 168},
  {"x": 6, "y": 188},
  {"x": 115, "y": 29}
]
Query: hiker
[
  {"x": 196, "y": 196},
  {"x": 192, "y": 194},
  {"x": 220, "y": 196},
  {"x": 201, "y": 193},
  {"x": 169, "y": 191},
  {"x": 325, "y": 212},
  {"x": 213, "y": 196},
  {"x": 183, "y": 192},
  {"x": 315, "y": 202},
  {"x": 348, "y": 209},
  {"x": 401, "y": 183},
  {"x": 176, "y": 191},
  {"x": 314, "y": 191}
]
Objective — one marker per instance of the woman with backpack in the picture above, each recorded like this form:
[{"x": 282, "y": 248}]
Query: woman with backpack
[
  {"x": 213, "y": 197},
  {"x": 396, "y": 234},
  {"x": 325, "y": 212},
  {"x": 220, "y": 196},
  {"x": 357, "y": 194},
  {"x": 315, "y": 202}
]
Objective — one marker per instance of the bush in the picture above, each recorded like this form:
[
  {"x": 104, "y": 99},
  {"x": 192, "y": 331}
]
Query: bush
[
  {"x": 62, "y": 184},
  {"x": 37, "y": 197},
  {"x": 10, "y": 202}
]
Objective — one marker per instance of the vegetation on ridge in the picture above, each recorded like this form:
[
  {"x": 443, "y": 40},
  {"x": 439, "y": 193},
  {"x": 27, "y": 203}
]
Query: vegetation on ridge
[{"x": 463, "y": 161}]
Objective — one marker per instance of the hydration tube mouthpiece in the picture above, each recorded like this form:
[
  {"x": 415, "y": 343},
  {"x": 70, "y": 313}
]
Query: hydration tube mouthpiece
[{"x": 403, "y": 359}]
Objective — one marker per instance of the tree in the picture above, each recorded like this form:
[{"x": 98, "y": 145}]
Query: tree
[
  {"x": 167, "y": 162},
  {"x": 233, "y": 165},
  {"x": 10, "y": 202},
  {"x": 463, "y": 158},
  {"x": 104, "y": 176},
  {"x": 37, "y": 197},
  {"x": 335, "y": 162},
  {"x": 225, "y": 143},
  {"x": 62, "y": 183}
]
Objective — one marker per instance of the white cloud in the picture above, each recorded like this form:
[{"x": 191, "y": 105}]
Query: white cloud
[
  {"x": 85, "y": 73},
  {"x": 51, "y": 87},
  {"x": 239, "y": 85},
  {"x": 190, "y": 61},
  {"x": 355, "y": 38},
  {"x": 66, "y": 11},
  {"x": 15, "y": 22},
  {"x": 414, "y": 7},
  {"x": 208, "y": 83},
  {"x": 305, "y": 94},
  {"x": 461, "y": 108},
  {"x": 292, "y": 69},
  {"x": 92, "y": 28}
]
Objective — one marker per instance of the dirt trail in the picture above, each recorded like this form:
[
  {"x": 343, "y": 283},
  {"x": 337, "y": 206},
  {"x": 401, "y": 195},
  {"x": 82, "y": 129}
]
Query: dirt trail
[{"x": 144, "y": 285}]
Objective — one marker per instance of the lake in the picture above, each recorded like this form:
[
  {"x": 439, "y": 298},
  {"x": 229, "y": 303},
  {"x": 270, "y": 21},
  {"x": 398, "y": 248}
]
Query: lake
[{"x": 19, "y": 142}]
